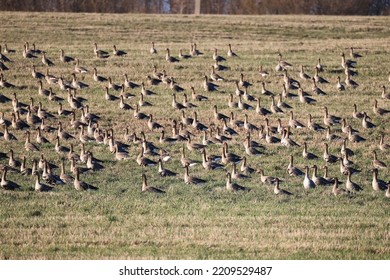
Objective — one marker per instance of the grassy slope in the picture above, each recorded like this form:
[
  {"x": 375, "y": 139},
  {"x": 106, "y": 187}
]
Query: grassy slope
[{"x": 200, "y": 222}]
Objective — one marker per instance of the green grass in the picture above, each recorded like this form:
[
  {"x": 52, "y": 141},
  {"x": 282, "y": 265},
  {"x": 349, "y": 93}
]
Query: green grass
[{"x": 191, "y": 222}]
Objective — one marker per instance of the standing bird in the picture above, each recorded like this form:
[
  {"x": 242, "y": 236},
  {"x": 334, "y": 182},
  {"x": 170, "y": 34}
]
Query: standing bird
[{"x": 147, "y": 188}]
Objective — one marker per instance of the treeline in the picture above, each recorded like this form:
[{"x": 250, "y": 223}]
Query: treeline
[{"x": 315, "y": 7}]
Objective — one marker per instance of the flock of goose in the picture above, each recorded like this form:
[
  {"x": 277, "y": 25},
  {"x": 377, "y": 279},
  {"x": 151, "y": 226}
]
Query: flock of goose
[{"x": 44, "y": 131}]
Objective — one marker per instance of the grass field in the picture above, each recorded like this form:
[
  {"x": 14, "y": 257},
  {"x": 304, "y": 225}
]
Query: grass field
[{"x": 198, "y": 222}]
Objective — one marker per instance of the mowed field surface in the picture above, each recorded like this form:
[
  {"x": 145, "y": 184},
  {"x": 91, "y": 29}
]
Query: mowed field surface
[{"x": 198, "y": 221}]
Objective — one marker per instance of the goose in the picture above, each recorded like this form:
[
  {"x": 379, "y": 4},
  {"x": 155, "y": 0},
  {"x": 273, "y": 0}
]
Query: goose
[
  {"x": 346, "y": 169},
  {"x": 153, "y": 81},
  {"x": 345, "y": 127},
  {"x": 303, "y": 75},
  {"x": 314, "y": 126},
  {"x": 7, "y": 184},
  {"x": 152, "y": 125},
  {"x": 48, "y": 176},
  {"x": 64, "y": 58},
  {"x": 329, "y": 158},
  {"x": 353, "y": 54},
  {"x": 80, "y": 69},
  {"x": 223, "y": 138},
  {"x": 195, "y": 51},
  {"x": 339, "y": 85},
  {"x": 346, "y": 161},
  {"x": 231, "y": 103},
  {"x": 99, "y": 53},
  {"x": 183, "y": 56},
  {"x": 261, "y": 110},
  {"x": 249, "y": 150},
  {"x": 330, "y": 119},
  {"x": 365, "y": 123},
  {"x": 344, "y": 150},
  {"x": 336, "y": 190},
  {"x": 150, "y": 189},
  {"x": 27, "y": 53},
  {"x": 265, "y": 91},
  {"x": 208, "y": 86},
  {"x": 40, "y": 187},
  {"x": 7, "y": 50},
  {"x": 75, "y": 123},
  {"x": 194, "y": 146},
  {"x": 282, "y": 64},
  {"x": 123, "y": 105},
  {"x": 163, "y": 171},
  {"x": 238, "y": 90},
  {"x": 4, "y": 83},
  {"x": 326, "y": 176},
  {"x": 377, "y": 163},
  {"x": 142, "y": 102},
  {"x": 307, "y": 182},
  {"x": 281, "y": 104},
  {"x": 214, "y": 76},
  {"x": 139, "y": 115},
  {"x": 208, "y": 164},
  {"x": 73, "y": 102},
  {"x": 269, "y": 180},
  {"x": 245, "y": 168},
  {"x": 63, "y": 176},
  {"x": 242, "y": 105},
  {"x": 229, "y": 157},
  {"x": 230, "y": 53},
  {"x": 60, "y": 149},
  {"x": 177, "y": 105},
  {"x": 144, "y": 161},
  {"x": 190, "y": 180},
  {"x": 247, "y": 96},
  {"x": 8, "y": 136},
  {"x": 315, "y": 89},
  {"x": 197, "y": 97},
  {"x": 347, "y": 63},
  {"x": 354, "y": 138},
  {"x": 17, "y": 123},
  {"x": 242, "y": 82},
  {"x": 349, "y": 82},
  {"x": 331, "y": 136},
  {"x": 219, "y": 67},
  {"x": 377, "y": 184},
  {"x": 129, "y": 84},
  {"x": 3, "y": 58},
  {"x": 247, "y": 125},
  {"x": 170, "y": 58},
  {"x": 279, "y": 191},
  {"x": 219, "y": 116},
  {"x": 25, "y": 171},
  {"x": 30, "y": 147},
  {"x": 36, "y": 74},
  {"x": 175, "y": 87},
  {"x": 81, "y": 185},
  {"x": 385, "y": 95},
  {"x": 53, "y": 97},
  {"x": 286, "y": 140},
  {"x": 92, "y": 164},
  {"x": 318, "y": 79},
  {"x": 306, "y": 154},
  {"x": 117, "y": 52},
  {"x": 152, "y": 49},
  {"x": 292, "y": 170},
  {"x": 305, "y": 99},
  {"x": 379, "y": 111},
  {"x": 263, "y": 73},
  {"x": 217, "y": 57},
  {"x": 286, "y": 94},
  {"x": 234, "y": 122},
  {"x": 383, "y": 146},
  {"x": 270, "y": 139},
  {"x": 274, "y": 108},
  {"x": 351, "y": 186},
  {"x": 293, "y": 123},
  {"x": 3, "y": 121},
  {"x": 184, "y": 160},
  {"x": 43, "y": 114},
  {"x": 62, "y": 134},
  {"x": 113, "y": 86},
  {"x": 318, "y": 180},
  {"x": 98, "y": 78},
  {"x": 233, "y": 187},
  {"x": 145, "y": 92},
  {"x": 163, "y": 139},
  {"x": 46, "y": 61},
  {"x": 12, "y": 162}
]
